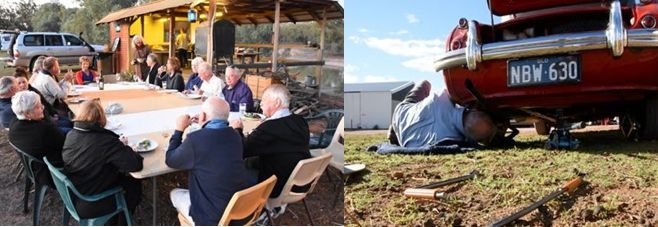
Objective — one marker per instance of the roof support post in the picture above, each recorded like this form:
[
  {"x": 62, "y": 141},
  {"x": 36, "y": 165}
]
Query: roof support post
[
  {"x": 172, "y": 42},
  {"x": 212, "y": 7},
  {"x": 275, "y": 37},
  {"x": 318, "y": 69},
  {"x": 141, "y": 21}
]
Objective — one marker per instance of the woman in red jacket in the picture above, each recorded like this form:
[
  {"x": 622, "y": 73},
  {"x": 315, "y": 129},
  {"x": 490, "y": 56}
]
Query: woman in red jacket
[{"x": 85, "y": 75}]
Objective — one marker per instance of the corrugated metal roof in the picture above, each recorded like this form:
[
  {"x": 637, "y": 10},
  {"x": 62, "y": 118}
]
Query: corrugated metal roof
[
  {"x": 241, "y": 11},
  {"x": 150, "y": 7},
  {"x": 375, "y": 87}
]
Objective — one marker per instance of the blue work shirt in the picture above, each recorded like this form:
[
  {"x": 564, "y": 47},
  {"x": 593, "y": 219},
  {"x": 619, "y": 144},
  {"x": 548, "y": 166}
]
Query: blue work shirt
[{"x": 429, "y": 121}]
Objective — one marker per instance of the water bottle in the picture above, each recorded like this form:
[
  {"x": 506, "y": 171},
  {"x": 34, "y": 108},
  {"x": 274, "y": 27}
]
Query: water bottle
[{"x": 101, "y": 83}]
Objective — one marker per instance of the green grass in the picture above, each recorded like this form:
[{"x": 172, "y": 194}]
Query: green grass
[{"x": 618, "y": 172}]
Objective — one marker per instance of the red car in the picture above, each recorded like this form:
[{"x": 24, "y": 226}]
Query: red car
[{"x": 560, "y": 61}]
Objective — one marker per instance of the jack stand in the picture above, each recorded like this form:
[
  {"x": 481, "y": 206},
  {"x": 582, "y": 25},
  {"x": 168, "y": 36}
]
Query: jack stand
[{"x": 560, "y": 137}]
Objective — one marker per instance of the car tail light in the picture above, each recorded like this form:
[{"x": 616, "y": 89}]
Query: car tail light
[
  {"x": 648, "y": 21},
  {"x": 463, "y": 23},
  {"x": 17, "y": 54},
  {"x": 456, "y": 44}
]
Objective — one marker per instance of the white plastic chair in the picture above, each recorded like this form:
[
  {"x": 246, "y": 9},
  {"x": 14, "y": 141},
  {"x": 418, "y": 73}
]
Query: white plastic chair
[{"x": 307, "y": 172}]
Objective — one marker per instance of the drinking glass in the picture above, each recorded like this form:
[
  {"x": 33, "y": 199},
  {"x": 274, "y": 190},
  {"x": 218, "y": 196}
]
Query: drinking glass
[{"x": 243, "y": 108}]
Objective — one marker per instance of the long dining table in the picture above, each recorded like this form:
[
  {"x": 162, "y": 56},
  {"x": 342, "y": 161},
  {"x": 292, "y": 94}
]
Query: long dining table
[{"x": 147, "y": 114}]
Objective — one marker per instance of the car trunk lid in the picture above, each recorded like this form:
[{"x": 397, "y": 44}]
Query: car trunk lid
[{"x": 507, "y": 7}]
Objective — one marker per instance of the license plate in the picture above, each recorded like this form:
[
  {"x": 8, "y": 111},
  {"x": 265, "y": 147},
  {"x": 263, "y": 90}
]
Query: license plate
[{"x": 543, "y": 71}]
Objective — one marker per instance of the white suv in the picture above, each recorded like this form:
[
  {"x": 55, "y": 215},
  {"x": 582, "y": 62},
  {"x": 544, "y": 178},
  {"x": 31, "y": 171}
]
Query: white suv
[
  {"x": 28, "y": 46},
  {"x": 4, "y": 44}
]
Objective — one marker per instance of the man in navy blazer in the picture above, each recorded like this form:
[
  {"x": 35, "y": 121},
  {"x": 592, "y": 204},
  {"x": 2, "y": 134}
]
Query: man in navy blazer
[{"x": 213, "y": 154}]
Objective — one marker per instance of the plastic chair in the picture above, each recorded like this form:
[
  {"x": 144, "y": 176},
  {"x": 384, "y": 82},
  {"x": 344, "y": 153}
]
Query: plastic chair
[
  {"x": 333, "y": 117},
  {"x": 29, "y": 162},
  {"x": 244, "y": 204},
  {"x": 336, "y": 148},
  {"x": 307, "y": 172},
  {"x": 65, "y": 187}
]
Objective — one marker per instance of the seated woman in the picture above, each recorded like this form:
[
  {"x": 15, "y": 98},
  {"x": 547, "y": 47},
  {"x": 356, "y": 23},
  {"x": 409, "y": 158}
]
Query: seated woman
[
  {"x": 85, "y": 75},
  {"x": 194, "y": 82},
  {"x": 64, "y": 124},
  {"x": 153, "y": 75},
  {"x": 34, "y": 135},
  {"x": 173, "y": 79},
  {"x": 96, "y": 159}
]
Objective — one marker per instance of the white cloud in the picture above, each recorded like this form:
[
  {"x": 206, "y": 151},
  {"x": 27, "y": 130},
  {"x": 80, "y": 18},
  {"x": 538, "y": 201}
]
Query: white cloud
[
  {"x": 424, "y": 64},
  {"x": 400, "y": 32},
  {"x": 355, "y": 39},
  {"x": 363, "y": 30},
  {"x": 412, "y": 19},
  {"x": 406, "y": 48},
  {"x": 349, "y": 75}
]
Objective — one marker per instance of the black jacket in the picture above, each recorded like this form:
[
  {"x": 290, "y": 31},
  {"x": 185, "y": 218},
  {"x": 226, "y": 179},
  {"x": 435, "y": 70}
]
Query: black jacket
[
  {"x": 175, "y": 82},
  {"x": 152, "y": 74},
  {"x": 39, "y": 139},
  {"x": 280, "y": 144},
  {"x": 94, "y": 158}
]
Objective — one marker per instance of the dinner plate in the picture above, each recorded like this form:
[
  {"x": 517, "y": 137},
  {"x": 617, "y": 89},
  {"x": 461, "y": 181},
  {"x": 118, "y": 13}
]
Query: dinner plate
[
  {"x": 167, "y": 91},
  {"x": 77, "y": 100},
  {"x": 134, "y": 144},
  {"x": 260, "y": 117},
  {"x": 73, "y": 94},
  {"x": 191, "y": 96},
  {"x": 78, "y": 86},
  {"x": 112, "y": 125}
]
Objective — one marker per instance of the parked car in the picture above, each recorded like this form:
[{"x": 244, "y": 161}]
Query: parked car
[
  {"x": 560, "y": 61},
  {"x": 4, "y": 41},
  {"x": 68, "y": 48}
]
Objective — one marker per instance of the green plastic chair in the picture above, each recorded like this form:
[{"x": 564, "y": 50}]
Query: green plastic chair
[
  {"x": 65, "y": 187},
  {"x": 29, "y": 162}
]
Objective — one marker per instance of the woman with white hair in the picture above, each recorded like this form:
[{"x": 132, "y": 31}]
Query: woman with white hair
[
  {"x": 194, "y": 82},
  {"x": 141, "y": 52},
  {"x": 34, "y": 135}
]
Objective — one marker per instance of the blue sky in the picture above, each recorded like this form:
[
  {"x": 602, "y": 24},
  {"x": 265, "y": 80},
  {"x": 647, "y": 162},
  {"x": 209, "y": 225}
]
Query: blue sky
[{"x": 399, "y": 40}]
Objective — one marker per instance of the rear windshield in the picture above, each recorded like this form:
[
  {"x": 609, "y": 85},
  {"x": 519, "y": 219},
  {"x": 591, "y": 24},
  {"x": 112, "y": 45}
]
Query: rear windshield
[{"x": 33, "y": 40}]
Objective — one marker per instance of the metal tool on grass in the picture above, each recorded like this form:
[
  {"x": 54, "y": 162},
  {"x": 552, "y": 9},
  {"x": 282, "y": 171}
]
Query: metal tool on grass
[
  {"x": 431, "y": 191},
  {"x": 570, "y": 187}
]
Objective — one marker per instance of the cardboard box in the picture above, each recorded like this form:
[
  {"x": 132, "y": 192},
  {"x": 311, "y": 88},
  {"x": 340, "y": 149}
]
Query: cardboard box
[{"x": 258, "y": 84}]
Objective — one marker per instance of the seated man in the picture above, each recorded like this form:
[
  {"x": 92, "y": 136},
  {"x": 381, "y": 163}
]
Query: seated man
[
  {"x": 212, "y": 85},
  {"x": 425, "y": 118},
  {"x": 8, "y": 87},
  {"x": 279, "y": 142},
  {"x": 194, "y": 82},
  {"x": 236, "y": 92},
  {"x": 213, "y": 154}
]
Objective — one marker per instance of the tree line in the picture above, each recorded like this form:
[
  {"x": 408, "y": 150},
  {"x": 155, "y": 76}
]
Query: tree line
[{"x": 25, "y": 15}]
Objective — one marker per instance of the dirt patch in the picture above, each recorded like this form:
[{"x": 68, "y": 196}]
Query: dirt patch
[{"x": 325, "y": 202}]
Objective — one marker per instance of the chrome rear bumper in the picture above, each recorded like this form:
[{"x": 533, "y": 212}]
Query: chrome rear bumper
[{"x": 615, "y": 38}]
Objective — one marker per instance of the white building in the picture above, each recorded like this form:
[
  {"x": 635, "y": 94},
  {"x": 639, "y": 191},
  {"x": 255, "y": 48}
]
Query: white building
[{"x": 371, "y": 105}]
